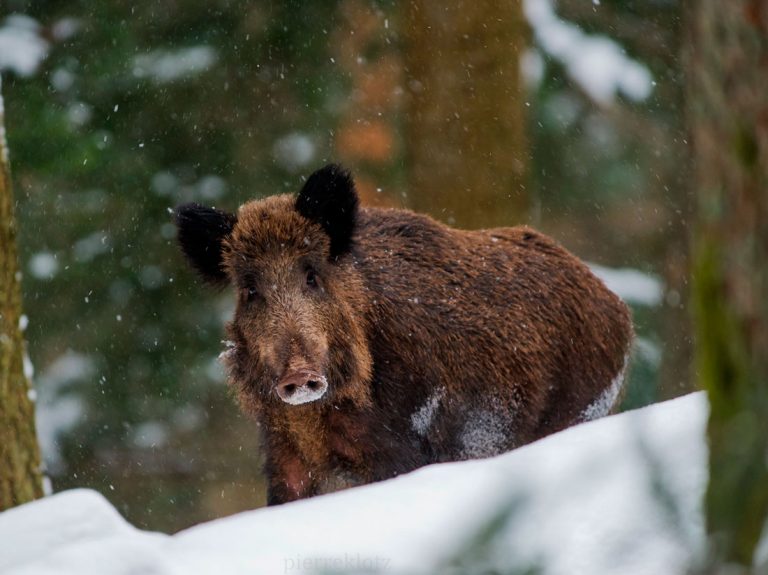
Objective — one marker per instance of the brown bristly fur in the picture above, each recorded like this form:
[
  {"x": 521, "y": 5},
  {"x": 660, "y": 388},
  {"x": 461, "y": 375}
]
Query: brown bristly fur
[{"x": 438, "y": 344}]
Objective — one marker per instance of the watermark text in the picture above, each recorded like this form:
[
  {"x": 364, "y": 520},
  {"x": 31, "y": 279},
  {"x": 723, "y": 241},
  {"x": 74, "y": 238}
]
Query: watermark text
[{"x": 346, "y": 562}]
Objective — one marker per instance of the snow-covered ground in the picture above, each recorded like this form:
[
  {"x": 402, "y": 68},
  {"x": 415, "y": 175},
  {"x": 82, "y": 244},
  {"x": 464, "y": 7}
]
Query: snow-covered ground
[{"x": 617, "y": 495}]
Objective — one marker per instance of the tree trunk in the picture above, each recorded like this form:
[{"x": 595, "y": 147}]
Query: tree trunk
[
  {"x": 728, "y": 63},
  {"x": 366, "y": 139},
  {"x": 20, "y": 477},
  {"x": 465, "y": 118}
]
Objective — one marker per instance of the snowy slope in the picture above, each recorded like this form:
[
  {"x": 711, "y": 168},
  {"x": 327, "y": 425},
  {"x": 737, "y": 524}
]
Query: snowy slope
[{"x": 587, "y": 500}]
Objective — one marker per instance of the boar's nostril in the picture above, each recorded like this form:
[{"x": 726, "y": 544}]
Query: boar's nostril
[
  {"x": 289, "y": 389},
  {"x": 311, "y": 384}
]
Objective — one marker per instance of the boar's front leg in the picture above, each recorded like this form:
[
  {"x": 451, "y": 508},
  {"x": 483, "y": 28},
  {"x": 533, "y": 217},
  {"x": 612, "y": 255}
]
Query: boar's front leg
[{"x": 288, "y": 477}]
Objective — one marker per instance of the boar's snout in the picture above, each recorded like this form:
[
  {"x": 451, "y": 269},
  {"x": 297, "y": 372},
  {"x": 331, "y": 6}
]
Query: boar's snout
[{"x": 301, "y": 386}]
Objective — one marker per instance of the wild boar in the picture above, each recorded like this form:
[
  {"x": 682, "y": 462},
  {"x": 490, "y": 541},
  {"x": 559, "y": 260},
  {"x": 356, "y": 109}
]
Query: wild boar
[{"x": 369, "y": 342}]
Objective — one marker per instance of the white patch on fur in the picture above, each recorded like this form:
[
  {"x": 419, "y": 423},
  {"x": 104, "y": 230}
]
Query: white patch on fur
[
  {"x": 421, "y": 420},
  {"x": 602, "y": 405},
  {"x": 305, "y": 395},
  {"x": 484, "y": 435}
]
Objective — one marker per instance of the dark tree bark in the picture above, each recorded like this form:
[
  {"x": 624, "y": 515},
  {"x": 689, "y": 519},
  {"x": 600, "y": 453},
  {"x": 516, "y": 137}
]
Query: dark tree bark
[
  {"x": 465, "y": 117},
  {"x": 20, "y": 477},
  {"x": 728, "y": 65}
]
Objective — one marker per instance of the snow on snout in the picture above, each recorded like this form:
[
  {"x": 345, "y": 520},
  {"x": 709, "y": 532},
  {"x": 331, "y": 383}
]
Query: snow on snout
[
  {"x": 306, "y": 394},
  {"x": 229, "y": 350}
]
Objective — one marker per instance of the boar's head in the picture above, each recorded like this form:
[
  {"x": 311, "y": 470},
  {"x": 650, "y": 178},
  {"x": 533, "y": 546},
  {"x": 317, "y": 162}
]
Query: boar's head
[{"x": 298, "y": 333}]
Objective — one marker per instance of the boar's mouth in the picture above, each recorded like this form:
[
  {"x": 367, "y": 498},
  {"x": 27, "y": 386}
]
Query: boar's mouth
[{"x": 302, "y": 386}]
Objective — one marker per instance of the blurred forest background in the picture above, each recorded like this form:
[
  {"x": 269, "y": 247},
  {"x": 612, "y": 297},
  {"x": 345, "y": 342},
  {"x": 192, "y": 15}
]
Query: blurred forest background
[{"x": 567, "y": 116}]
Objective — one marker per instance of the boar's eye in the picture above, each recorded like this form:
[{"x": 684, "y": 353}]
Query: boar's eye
[
  {"x": 250, "y": 294},
  {"x": 312, "y": 278}
]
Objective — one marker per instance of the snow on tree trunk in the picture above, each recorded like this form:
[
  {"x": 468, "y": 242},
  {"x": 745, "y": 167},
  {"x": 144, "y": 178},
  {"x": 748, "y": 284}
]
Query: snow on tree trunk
[
  {"x": 728, "y": 66},
  {"x": 465, "y": 117},
  {"x": 20, "y": 478}
]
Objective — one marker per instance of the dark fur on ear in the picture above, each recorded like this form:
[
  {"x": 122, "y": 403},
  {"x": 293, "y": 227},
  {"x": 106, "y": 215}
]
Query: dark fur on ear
[
  {"x": 329, "y": 199},
  {"x": 201, "y": 231}
]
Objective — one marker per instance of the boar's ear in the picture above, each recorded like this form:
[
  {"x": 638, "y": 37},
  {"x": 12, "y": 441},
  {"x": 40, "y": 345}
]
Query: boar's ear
[
  {"x": 201, "y": 231},
  {"x": 329, "y": 199}
]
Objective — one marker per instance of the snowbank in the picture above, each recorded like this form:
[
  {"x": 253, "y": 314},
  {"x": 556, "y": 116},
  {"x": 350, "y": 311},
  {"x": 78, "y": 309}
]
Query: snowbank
[{"x": 618, "y": 495}]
